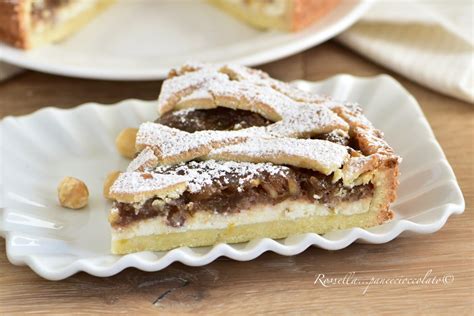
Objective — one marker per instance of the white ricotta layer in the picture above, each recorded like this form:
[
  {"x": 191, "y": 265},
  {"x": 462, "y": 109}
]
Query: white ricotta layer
[{"x": 287, "y": 210}]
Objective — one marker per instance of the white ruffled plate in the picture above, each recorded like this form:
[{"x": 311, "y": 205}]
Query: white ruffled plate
[{"x": 40, "y": 149}]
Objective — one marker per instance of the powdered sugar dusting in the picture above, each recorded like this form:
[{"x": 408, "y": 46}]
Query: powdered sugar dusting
[
  {"x": 206, "y": 173},
  {"x": 369, "y": 138},
  {"x": 171, "y": 142},
  {"x": 238, "y": 72},
  {"x": 247, "y": 89},
  {"x": 196, "y": 95},
  {"x": 243, "y": 88},
  {"x": 306, "y": 121},
  {"x": 319, "y": 155},
  {"x": 145, "y": 159},
  {"x": 139, "y": 182},
  {"x": 175, "y": 88},
  {"x": 249, "y": 94},
  {"x": 297, "y": 94},
  {"x": 358, "y": 165}
]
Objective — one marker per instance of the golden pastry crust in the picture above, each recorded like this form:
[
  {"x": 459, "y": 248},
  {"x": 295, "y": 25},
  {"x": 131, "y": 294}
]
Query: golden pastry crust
[
  {"x": 306, "y": 12},
  {"x": 134, "y": 187},
  {"x": 318, "y": 155},
  {"x": 291, "y": 15},
  {"x": 172, "y": 146},
  {"x": 13, "y": 23}
]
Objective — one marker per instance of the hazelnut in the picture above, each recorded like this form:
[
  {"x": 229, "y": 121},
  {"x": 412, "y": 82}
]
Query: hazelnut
[
  {"x": 158, "y": 203},
  {"x": 109, "y": 181},
  {"x": 125, "y": 142},
  {"x": 73, "y": 193}
]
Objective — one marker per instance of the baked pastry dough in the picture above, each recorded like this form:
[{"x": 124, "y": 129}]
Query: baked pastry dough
[
  {"x": 285, "y": 15},
  {"x": 237, "y": 155},
  {"x": 31, "y": 23}
]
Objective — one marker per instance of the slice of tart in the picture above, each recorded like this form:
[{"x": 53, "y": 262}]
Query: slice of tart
[
  {"x": 31, "y": 23},
  {"x": 284, "y": 15},
  {"x": 236, "y": 155}
]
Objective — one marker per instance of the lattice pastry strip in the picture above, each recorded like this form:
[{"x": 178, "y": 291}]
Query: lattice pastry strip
[
  {"x": 132, "y": 187},
  {"x": 240, "y": 88},
  {"x": 315, "y": 154},
  {"x": 308, "y": 121},
  {"x": 258, "y": 77},
  {"x": 173, "y": 146},
  {"x": 237, "y": 72}
]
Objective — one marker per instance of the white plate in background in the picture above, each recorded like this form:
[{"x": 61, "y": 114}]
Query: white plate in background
[
  {"x": 143, "y": 39},
  {"x": 39, "y": 149}
]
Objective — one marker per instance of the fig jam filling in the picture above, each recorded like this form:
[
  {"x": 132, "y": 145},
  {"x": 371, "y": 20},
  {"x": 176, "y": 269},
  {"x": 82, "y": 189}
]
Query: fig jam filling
[
  {"x": 218, "y": 119},
  {"x": 228, "y": 187}
]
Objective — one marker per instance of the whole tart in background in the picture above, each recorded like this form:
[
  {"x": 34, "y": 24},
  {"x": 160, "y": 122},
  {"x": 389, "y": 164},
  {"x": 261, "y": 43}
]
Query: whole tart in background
[{"x": 31, "y": 23}]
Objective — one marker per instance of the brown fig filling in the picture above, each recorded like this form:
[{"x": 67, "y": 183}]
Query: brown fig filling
[
  {"x": 227, "y": 187},
  {"x": 218, "y": 119}
]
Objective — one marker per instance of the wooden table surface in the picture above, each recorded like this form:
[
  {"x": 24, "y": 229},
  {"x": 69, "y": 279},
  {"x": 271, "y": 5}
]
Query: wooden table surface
[{"x": 271, "y": 283}]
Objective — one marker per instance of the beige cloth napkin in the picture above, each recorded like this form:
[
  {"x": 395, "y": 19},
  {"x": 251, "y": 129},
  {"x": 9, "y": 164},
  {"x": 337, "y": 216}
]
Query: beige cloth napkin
[{"x": 430, "y": 42}]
